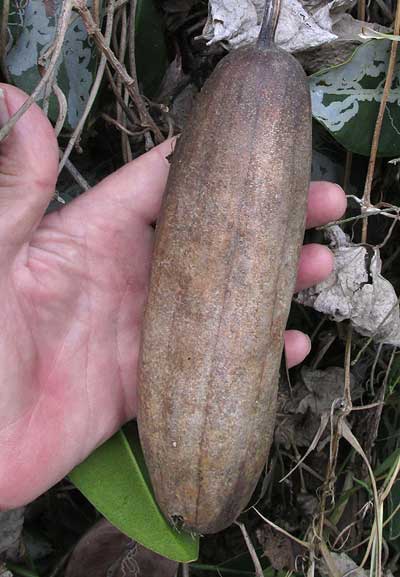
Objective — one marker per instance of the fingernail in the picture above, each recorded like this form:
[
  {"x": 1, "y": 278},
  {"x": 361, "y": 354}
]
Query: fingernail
[{"x": 4, "y": 114}]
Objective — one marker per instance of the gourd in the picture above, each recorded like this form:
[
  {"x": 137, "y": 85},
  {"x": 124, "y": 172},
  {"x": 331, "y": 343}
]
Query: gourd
[{"x": 224, "y": 266}]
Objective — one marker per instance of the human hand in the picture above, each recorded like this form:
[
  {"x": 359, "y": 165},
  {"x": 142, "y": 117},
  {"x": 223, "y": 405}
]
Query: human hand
[{"x": 72, "y": 286}]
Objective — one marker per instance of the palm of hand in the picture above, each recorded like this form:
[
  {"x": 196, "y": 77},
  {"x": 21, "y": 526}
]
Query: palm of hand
[
  {"x": 73, "y": 290},
  {"x": 74, "y": 298}
]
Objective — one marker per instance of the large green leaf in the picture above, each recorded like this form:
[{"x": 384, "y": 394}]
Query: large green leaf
[
  {"x": 31, "y": 30},
  {"x": 394, "y": 375},
  {"x": 150, "y": 46},
  {"x": 32, "y": 27},
  {"x": 392, "y": 529},
  {"x": 345, "y": 99},
  {"x": 115, "y": 480}
]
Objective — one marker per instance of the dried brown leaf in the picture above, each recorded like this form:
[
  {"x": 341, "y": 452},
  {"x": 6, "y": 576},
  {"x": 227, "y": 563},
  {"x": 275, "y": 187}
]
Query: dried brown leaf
[
  {"x": 11, "y": 523},
  {"x": 105, "y": 551},
  {"x": 356, "y": 290},
  {"x": 344, "y": 565},
  {"x": 282, "y": 552}
]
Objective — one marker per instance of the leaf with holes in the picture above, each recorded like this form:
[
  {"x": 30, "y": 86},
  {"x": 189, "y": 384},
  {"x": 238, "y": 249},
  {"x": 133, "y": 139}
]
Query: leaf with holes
[
  {"x": 31, "y": 32},
  {"x": 346, "y": 99},
  {"x": 30, "y": 37}
]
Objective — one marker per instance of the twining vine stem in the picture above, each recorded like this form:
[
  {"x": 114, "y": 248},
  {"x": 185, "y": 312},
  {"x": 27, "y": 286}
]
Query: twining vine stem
[{"x": 366, "y": 204}]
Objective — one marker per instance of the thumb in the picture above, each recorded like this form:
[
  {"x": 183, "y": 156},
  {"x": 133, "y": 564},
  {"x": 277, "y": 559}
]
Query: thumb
[{"x": 28, "y": 171}]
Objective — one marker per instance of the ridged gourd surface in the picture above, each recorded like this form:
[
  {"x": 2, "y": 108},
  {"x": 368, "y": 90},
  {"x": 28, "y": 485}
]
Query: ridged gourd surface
[{"x": 224, "y": 268}]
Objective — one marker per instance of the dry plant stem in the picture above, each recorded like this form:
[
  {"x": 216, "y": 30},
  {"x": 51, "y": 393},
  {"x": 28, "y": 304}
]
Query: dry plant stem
[
  {"x": 311, "y": 565},
  {"x": 361, "y": 11},
  {"x": 63, "y": 23},
  {"x": 76, "y": 175},
  {"x": 132, "y": 35},
  {"x": 311, "y": 471},
  {"x": 303, "y": 466},
  {"x": 322, "y": 352},
  {"x": 364, "y": 541},
  {"x": 375, "y": 542},
  {"x": 185, "y": 570},
  {"x": 48, "y": 89},
  {"x": 62, "y": 108},
  {"x": 125, "y": 140},
  {"x": 347, "y": 374},
  {"x": 329, "y": 561},
  {"x": 297, "y": 457},
  {"x": 378, "y": 125},
  {"x": 335, "y": 435},
  {"x": 365, "y": 407},
  {"x": 129, "y": 82},
  {"x": 129, "y": 113},
  {"x": 371, "y": 212},
  {"x": 94, "y": 90},
  {"x": 304, "y": 544},
  {"x": 343, "y": 536},
  {"x": 121, "y": 117},
  {"x": 132, "y": 60},
  {"x": 389, "y": 234},
  {"x": 117, "y": 124},
  {"x": 322, "y": 426},
  {"x": 120, "y": 3},
  {"x": 347, "y": 171},
  {"x": 318, "y": 328},
  {"x": 96, "y": 11},
  {"x": 3, "y": 38},
  {"x": 170, "y": 123},
  {"x": 252, "y": 551},
  {"x": 119, "y": 43}
]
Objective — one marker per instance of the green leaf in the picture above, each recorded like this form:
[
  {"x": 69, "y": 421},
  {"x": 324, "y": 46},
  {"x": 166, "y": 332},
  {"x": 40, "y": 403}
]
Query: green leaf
[
  {"x": 241, "y": 564},
  {"x": 150, "y": 46},
  {"x": 392, "y": 530},
  {"x": 32, "y": 27},
  {"x": 364, "y": 485},
  {"x": 387, "y": 464},
  {"x": 345, "y": 99},
  {"x": 369, "y": 33},
  {"x": 115, "y": 480},
  {"x": 394, "y": 376}
]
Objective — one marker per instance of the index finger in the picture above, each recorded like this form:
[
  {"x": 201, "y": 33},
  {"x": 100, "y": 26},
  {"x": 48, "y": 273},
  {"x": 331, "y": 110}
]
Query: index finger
[{"x": 326, "y": 202}]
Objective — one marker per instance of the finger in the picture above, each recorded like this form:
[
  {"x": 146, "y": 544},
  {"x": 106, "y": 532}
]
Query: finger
[
  {"x": 297, "y": 347},
  {"x": 326, "y": 202},
  {"x": 28, "y": 170},
  {"x": 315, "y": 265},
  {"x": 135, "y": 190}
]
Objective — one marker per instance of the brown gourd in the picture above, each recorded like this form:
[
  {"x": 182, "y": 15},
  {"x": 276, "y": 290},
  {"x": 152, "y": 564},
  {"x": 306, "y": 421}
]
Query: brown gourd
[{"x": 224, "y": 266}]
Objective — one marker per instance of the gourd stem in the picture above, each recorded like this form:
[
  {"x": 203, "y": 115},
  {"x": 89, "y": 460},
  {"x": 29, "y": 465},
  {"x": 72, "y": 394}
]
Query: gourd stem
[{"x": 270, "y": 20}]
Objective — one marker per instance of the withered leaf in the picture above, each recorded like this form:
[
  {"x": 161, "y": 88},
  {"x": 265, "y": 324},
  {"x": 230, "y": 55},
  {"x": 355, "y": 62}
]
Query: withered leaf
[
  {"x": 105, "y": 551},
  {"x": 356, "y": 290},
  {"x": 282, "y": 552}
]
